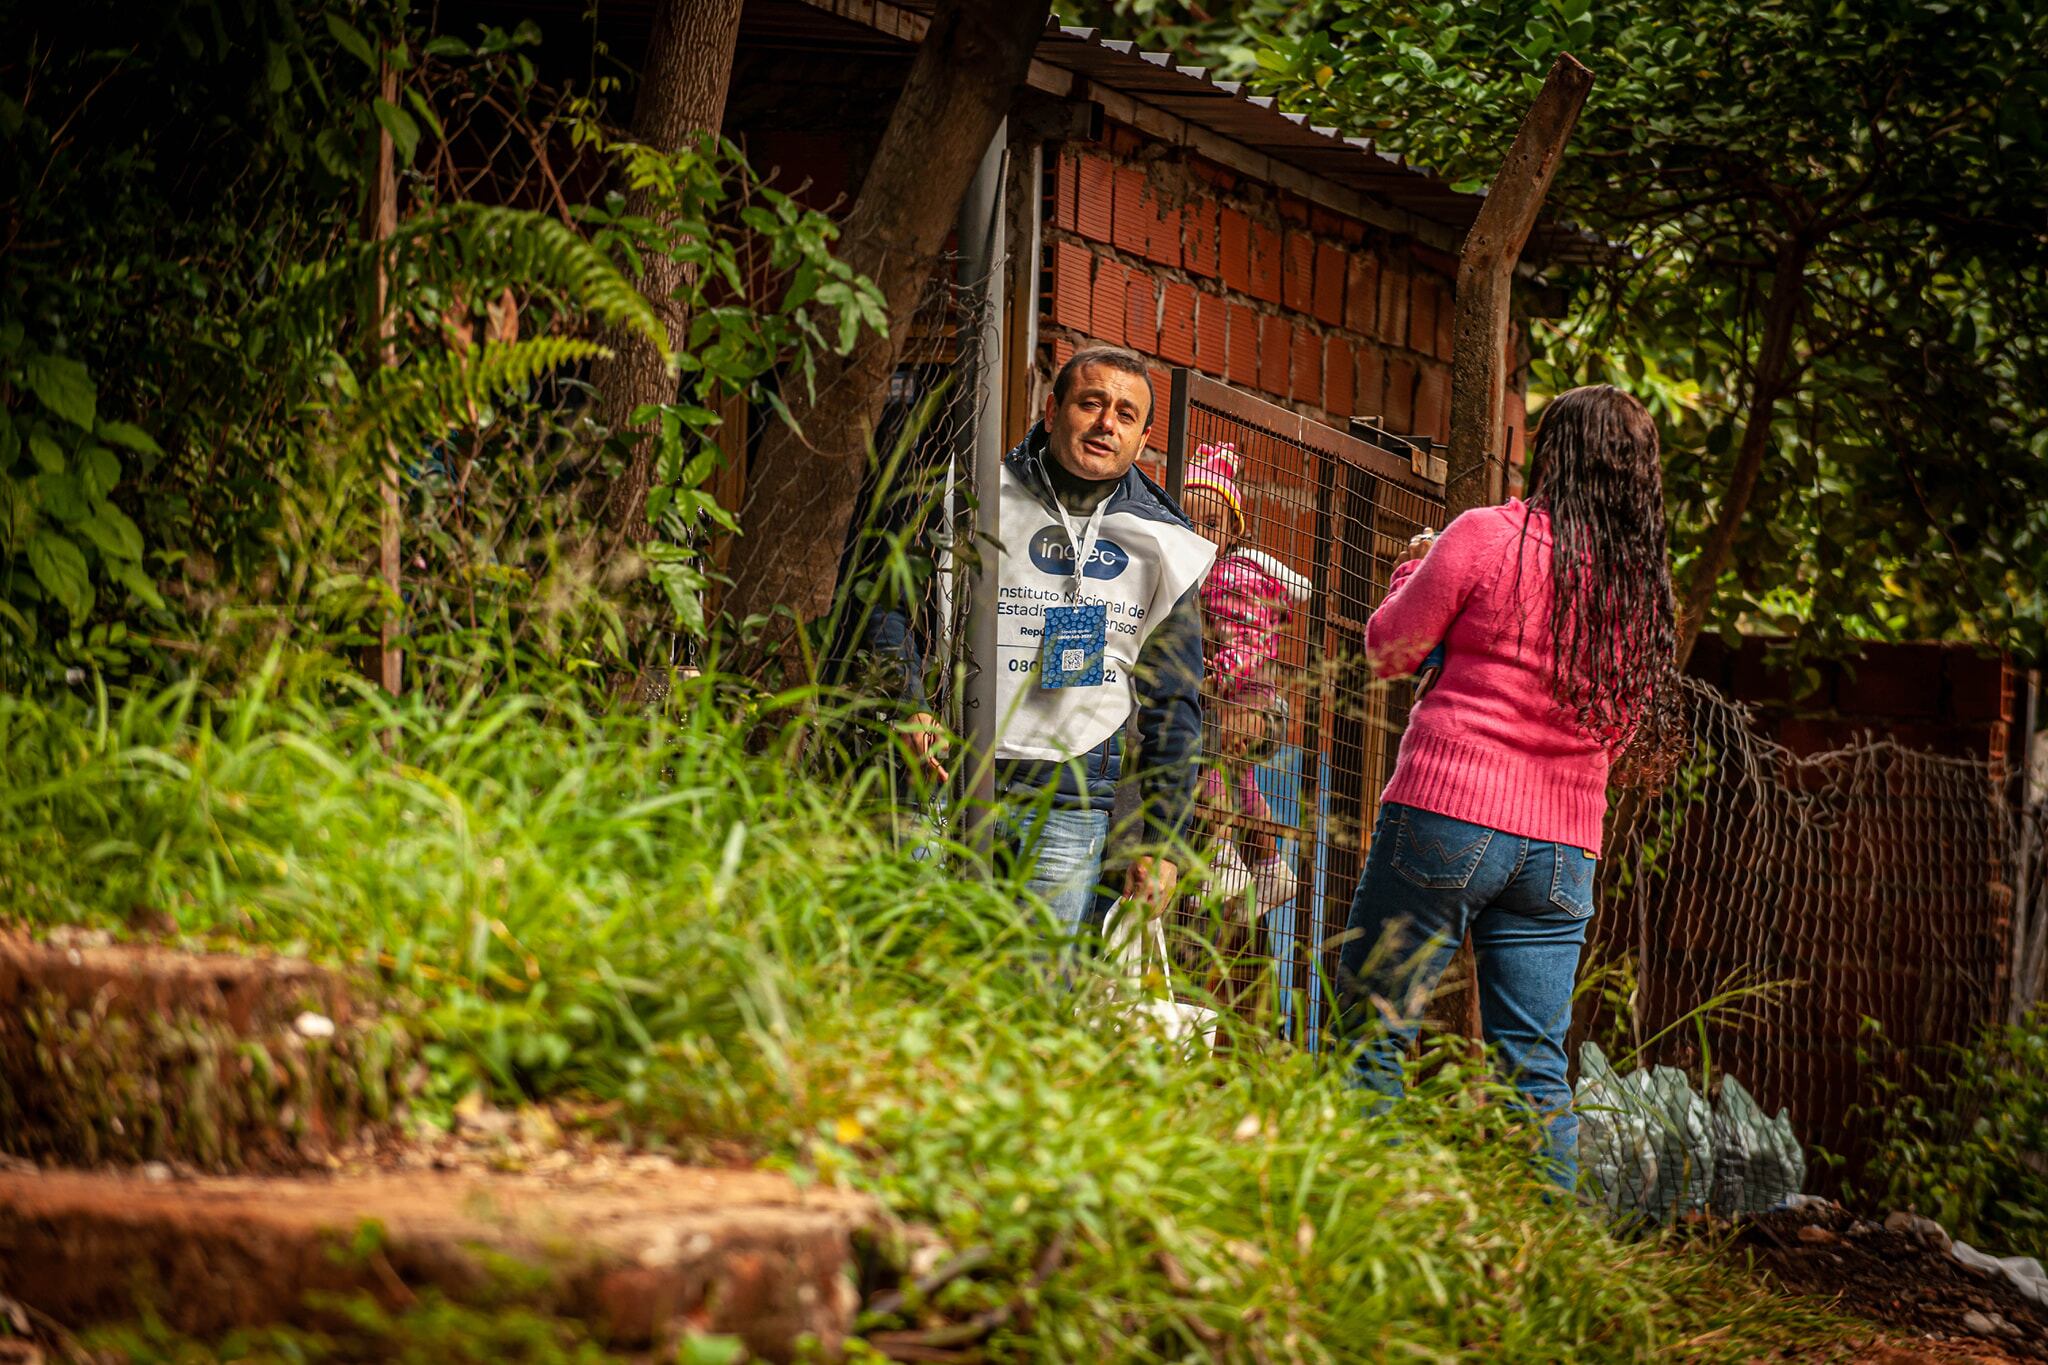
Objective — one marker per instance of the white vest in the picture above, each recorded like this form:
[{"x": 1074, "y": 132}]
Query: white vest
[{"x": 1138, "y": 567}]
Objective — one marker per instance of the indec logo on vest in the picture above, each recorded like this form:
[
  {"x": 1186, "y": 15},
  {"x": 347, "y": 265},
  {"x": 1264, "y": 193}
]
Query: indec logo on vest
[{"x": 1053, "y": 553}]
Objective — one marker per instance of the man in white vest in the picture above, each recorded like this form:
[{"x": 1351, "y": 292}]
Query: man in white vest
[{"x": 1097, "y": 616}]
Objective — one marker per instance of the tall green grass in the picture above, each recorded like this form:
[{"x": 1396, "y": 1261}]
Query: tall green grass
[{"x": 669, "y": 913}]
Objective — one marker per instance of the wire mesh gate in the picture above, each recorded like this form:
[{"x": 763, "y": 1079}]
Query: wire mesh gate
[{"x": 1300, "y": 742}]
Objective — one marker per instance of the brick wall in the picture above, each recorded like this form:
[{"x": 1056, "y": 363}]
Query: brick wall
[
  {"x": 1178, "y": 258},
  {"x": 1946, "y": 698}
]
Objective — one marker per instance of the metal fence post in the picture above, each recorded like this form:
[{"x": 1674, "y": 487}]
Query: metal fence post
[
  {"x": 1177, "y": 433},
  {"x": 983, "y": 256}
]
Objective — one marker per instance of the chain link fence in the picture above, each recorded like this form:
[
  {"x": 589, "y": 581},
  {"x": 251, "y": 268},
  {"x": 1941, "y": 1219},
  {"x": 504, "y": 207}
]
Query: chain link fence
[{"x": 1806, "y": 924}]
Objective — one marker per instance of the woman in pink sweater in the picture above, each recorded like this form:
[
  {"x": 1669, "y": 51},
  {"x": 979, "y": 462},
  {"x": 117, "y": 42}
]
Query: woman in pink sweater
[{"x": 1558, "y": 624}]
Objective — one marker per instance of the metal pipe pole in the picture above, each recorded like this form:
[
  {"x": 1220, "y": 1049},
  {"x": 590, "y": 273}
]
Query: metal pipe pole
[{"x": 982, "y": 260}]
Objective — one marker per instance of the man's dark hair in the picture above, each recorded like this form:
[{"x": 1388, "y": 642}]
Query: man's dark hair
[{"x": 1112, "y": 358}]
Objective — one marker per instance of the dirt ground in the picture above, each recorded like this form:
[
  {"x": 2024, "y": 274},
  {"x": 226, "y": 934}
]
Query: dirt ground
[{"x": 1931, "y": 1305}]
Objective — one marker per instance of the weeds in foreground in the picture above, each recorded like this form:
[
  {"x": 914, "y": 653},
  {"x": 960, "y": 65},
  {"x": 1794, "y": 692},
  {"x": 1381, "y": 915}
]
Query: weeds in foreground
[
  {"x": 1968, "y": 1145},
  {"x": 638, "y": 910}
]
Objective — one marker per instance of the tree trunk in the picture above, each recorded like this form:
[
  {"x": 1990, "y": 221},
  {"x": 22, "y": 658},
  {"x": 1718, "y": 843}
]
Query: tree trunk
[
  {"x": 1774, "y": 374},
  {"x": 1486, "y": 282},
  {"x": 682, "y": 94},
  {"x": 380, "y": 215},
  {"x": 802, "y": 488}
]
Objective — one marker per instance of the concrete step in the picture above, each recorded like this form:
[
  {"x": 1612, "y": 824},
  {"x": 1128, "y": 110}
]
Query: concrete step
[
  {"x": 645, "y": 1252},
  {"x": 137, "y": 1052}
]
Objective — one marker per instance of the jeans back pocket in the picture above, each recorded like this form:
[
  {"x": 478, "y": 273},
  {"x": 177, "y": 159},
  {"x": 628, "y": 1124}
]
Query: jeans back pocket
[
  {"x": 1438, "y": 852},
  {"x": 1571, "y": 880}
]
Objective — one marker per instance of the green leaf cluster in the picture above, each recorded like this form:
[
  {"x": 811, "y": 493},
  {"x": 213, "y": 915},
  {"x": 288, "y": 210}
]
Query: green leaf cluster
[
  {"x": 1967, "y": 1144},
  {"x": 63, "y": 538},
  {"x": 204, "y": 415},
  {"x": 1896, "y": 151}
]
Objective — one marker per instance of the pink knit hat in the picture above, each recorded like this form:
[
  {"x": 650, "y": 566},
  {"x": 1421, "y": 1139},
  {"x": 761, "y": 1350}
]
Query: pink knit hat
[{"x": 1215, "y": 468}]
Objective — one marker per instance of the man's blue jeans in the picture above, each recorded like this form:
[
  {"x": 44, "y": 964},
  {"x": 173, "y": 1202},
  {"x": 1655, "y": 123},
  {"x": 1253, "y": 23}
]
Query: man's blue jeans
[
  {"x": 1063, "y": 849},
  {"x": 1430, "y": 880}
]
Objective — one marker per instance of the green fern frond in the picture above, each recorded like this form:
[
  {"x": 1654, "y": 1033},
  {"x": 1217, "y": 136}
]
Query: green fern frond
[
  {"x": 419, "y": 403},
  {"x": 476, "y": 248}
]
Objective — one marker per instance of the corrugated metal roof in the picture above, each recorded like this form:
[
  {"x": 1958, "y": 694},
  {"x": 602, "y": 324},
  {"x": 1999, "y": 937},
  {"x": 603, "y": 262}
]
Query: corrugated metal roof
[{"x": 1191, "y": 93}]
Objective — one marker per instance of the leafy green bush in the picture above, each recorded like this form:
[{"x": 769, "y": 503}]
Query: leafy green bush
[
  {"x": 197, "y": 412},
  {"x": 639, "y": 909},
  {"x": 1970, "y": 1149}
]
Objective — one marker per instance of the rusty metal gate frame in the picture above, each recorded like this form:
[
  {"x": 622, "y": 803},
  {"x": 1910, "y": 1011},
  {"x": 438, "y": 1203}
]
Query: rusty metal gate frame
[{"x": 1361, "y": 495}]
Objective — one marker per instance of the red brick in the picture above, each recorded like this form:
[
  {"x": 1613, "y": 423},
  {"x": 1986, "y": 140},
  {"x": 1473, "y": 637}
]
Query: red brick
[
  {"x": 1351, "y": 232},
  {"x": 1329, "y": 297},
  {"x": 1977, "y": 687},
  {"x": 1124, "y": 140},
  {"x": 1066, "y": 192},
  {"x": 1133, "y": 211},
  {"x": 1393, "y": 321},
  {"x": 1340, "y": 373},
  {"x": 1889, "y": 682},
  {"x": 1369, "y": 396},
  {"x": 1234, "y": 237},
  {"x": 1308, "y": 367},
  {"x": 1429, "y": 258},
  {"x": 1162, "y": 389},
  {"x": 1297, "y": 272},
  {"x": 1446, "y": 325},
  {"x": 1265, "y": 272},
  {"x": 1516, "y": 441},
  {"x": 1162, "y": 234},
  {"x": 1361, "y": 292},
  {"x": 1244, "y": 345},
  {"x": 1062, "y": 352},
  {"x": 1095, "y": 211},
  {"x": 1198, "y": 236},
  {"x": 1141, "y": 313},
  {"x": 1422, "y": 292},
  {"x": 1211, "y": 337},
  {"x": 1400, "y": 396},
  {"x": 1276, "y": 342},
  {"x": 1106, "y": 318},
  {"x": 1177, "y": 324},
  {"x": 1433, "y": 402},
  {"x": 1217, "y": 174},
  {"x": 1287, "y": 527},
  {"x": 1293, "y": 209},
  {"x": 1070, "y": 284}
]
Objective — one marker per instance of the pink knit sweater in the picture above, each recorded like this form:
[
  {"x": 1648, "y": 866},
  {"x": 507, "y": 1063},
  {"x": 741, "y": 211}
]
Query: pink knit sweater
[{"x": 1488, "y": 744}]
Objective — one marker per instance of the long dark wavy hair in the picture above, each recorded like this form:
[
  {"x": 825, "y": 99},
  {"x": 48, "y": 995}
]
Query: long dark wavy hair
[{"x": 1596, "y": 469}]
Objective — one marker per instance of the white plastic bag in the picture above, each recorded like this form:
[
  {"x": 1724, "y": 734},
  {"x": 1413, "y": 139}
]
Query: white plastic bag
[
  {"x": 1137, "y": 945},
  {"x": 1274, "y": 877},
  {"x": 1250, "y": 892}
]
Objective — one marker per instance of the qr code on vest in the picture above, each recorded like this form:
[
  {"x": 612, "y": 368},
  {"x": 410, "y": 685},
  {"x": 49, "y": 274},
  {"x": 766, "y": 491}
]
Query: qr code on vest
[{"x": 1073, "y": 660}]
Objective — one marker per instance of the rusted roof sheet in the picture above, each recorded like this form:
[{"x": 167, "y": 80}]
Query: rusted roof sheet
[{"x": 1190, "y": 93}]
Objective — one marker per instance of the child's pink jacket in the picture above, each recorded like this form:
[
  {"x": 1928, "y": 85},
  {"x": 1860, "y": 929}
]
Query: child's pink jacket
[{"x": 1248, "y": 598}]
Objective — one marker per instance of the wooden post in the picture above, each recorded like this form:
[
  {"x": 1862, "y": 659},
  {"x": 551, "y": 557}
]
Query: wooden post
[
  {"x": 1477, "y": 466},
  {"x": 1486, "y": 279},
  {"x": 380, "y": 222}
]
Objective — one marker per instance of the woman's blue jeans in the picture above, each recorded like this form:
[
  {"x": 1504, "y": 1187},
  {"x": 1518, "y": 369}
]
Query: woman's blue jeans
[{"x": 1429, "y": 881}]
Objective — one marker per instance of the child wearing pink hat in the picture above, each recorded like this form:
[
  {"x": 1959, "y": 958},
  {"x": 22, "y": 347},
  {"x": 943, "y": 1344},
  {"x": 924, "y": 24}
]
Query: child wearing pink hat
[
  {"x": 1248, "y": 600},
  {"x": 1249, "y": 597}
]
